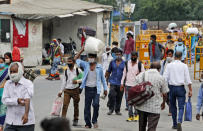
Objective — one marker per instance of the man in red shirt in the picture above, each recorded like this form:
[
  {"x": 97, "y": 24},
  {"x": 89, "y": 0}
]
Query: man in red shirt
[{"x": 129, "y": 46}]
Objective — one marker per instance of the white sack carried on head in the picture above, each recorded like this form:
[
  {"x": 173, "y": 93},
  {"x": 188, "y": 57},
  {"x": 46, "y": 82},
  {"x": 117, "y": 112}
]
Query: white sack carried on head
[
  {"x": 192, "y": 31},
  {"x": 172, "y": 25},
  {"x": 94, "y": 46}
]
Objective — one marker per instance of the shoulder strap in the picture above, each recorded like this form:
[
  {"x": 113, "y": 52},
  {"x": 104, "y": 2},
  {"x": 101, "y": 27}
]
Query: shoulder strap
[
  {"x": 77, "y": 72},
  {"x": 126, "y": 66},
  {"x": 164, "y": 63},
  {"x": 66, "y": 75},
  {"x": 140, "y": 66}
]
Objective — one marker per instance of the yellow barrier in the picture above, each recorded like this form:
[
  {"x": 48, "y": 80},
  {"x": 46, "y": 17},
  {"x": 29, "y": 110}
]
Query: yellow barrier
[{"x": 200, "y": 69}]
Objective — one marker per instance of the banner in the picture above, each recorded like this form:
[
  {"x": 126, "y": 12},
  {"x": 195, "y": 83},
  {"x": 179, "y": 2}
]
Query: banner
[{"x": 20, "y": 33}]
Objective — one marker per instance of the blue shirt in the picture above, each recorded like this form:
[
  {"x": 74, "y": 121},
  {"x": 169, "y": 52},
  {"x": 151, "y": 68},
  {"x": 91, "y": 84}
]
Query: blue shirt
[
  {"x": 181, "y": 48},
  {"x": 116, "y": 72},
  {"x": 99, "y": 71},
  {"x": 200, "y": 99}
]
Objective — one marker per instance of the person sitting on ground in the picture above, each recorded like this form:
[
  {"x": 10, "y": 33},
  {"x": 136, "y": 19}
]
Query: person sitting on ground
[
  {"x": 55, "y": 124},
  {"x": 70, "y": 87}
]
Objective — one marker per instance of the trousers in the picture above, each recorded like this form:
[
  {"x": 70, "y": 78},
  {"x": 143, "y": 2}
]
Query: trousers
[
  {"x": 68, "y": 94},
  {"x": 177, "y": 93}
]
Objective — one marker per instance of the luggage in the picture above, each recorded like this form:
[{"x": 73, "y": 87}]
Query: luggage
[
  {"x": 88, "y": 31},
  {"x": 192, "y": 31},
  {"x": 140, "y": 93},
  {"x": 94, "y": 46},
  {"x": 57, "y": 105}
]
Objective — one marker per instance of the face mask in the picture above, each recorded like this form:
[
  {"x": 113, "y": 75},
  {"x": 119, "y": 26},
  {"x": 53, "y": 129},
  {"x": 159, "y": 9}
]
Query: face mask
[
  {"x": 134, "y": 59},
  {"x": 151, "y": 41},
  {"x": 169, "y": 59},
  {"x": 7, "y": 61},
  {"x": 180, "y": 43},
  {"x": 15, "y": 77},
  {"x": 2, "y": 65},
  {"x": 70, "y": 65},
  {"x": 113, "y": 55},
  {"x": 118, "y": 58},
  {"x": 91, "y": 60}
]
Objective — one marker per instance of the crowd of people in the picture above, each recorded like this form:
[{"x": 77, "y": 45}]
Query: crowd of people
[{"x": 119, "y": 72}]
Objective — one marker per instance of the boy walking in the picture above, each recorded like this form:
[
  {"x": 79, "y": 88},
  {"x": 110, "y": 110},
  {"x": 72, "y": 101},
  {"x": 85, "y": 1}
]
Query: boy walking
[
  {"x": 93, "y": 77},
  {"x": 70, "y": 87}
]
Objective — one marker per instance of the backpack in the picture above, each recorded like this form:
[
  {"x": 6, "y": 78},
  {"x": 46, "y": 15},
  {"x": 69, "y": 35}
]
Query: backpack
[
  {"x": 126, "y": 67},
  {"x": 77, "y": 73}
]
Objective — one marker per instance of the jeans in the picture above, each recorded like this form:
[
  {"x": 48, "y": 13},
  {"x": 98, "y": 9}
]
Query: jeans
[
  {"x": 115, "y": 98},
  {"x": 148, "y": 119},
  {"x": 127, "y": 57},
  {"x": 55, "y": 64},
  {"x": 177, "y": 92},
  {"x": 91, "y": 97},
  {"x": 130, "y": 108},
  {"x": 68, "y": 94},
  {"x": 19, "y": 128}
]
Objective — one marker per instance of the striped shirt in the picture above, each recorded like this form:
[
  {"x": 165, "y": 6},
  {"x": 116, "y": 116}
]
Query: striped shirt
[{"x": 153, "y": 105}]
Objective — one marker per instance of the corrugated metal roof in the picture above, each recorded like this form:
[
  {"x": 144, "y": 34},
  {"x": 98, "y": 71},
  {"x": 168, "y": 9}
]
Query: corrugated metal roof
[{"x": 35, "y": 9}]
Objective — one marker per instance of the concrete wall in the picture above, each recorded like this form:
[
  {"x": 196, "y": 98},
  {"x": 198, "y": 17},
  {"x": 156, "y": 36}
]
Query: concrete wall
[
  {"x": 32, "y": 54},
  {"x": 68, "y": 27},
  {"x": 162, "y": 25}
]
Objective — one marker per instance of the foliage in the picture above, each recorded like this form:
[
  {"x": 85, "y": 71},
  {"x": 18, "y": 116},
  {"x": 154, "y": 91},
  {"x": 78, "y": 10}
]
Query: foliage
[{"x": 163, "y": 9}]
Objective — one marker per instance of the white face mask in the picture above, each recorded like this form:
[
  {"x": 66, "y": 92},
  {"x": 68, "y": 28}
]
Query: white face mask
[
  {"x": 91, "y": 60},
  {"x": 15, "y": 77},
  {"x": 169, "y": 59},
  {"x": 7, "y": 61}
]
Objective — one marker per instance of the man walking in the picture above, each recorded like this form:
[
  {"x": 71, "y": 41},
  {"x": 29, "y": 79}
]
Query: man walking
[
  {"x": 93, "y": 77},
  {"x": 155, "y": 50},
  {"x": 177, "y": 75},
  {"x": 70, "y": 87},
  {"x": 180, "y": 47},
  {"x": 131, "y": 70},
  {"x": 129, "y": 46},
  {"x": 149, "y": 112},
  {"x": 169, "y": 59},
  {"x": 17, "y": 96},
  {"x": 115, "y": 72}
]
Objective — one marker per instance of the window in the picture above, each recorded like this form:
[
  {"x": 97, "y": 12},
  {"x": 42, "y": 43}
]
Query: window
[{"x": 5, "y": 30}]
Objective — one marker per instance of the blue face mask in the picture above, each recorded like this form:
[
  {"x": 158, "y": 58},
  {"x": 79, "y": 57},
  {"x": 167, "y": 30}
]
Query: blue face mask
[
  {"x": 180, "y": 43},
  {"x": 2, "y": 65},
  {"x": 113, "y": 55}
]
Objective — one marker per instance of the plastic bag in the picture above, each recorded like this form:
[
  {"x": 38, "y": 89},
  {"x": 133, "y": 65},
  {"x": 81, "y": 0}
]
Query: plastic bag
[
  {"x": 94, "y": 46},
  {"x": 188, "y": 110},
  {"x": 57, "y": 105}
]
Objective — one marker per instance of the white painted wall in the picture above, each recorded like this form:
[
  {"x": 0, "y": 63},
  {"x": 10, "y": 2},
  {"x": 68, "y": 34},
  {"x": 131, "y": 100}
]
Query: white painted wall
[
  {"x": 68, "y": 27},
  {"x": 32, "y": 54}
]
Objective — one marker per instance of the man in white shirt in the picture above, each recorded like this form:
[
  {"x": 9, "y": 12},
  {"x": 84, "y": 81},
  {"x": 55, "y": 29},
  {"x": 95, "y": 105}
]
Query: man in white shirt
[
  {"x": 61, "y": 46},
  {"x": 70, "y": 87},
  {"x": 17, "y": 96},
  {"x": 177, "y": 75},
  {"x": 106, "y": 59}
]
